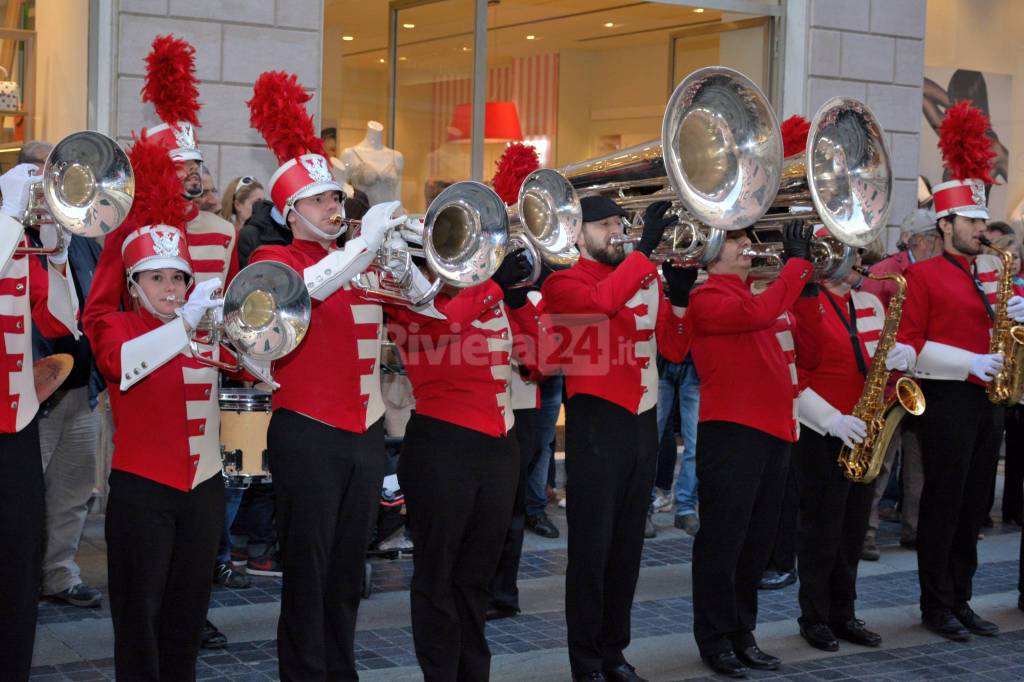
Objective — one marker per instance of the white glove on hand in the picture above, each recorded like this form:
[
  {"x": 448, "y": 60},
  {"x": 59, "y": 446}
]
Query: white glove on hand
[
  {"x": 199, "y": 302},
  {"x": 1015, "y": 308},
  {"x": 378, "y": 221},
  {"x": 50, "y": 236},
  {"x": 848, "y": 429},
  {"x": 985, "y": 366},
  {"x": 899, "y": 358},
  {"x": 14, "y": 185}
]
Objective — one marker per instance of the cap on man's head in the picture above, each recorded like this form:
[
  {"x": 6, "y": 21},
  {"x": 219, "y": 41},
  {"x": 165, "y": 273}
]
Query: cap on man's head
[
  {"x": 598, "y": 208},
  {"x": 918, "y": 221}
]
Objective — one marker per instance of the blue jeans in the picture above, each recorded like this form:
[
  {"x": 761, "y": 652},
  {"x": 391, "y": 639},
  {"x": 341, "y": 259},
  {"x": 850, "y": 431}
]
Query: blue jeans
[
  {"x": 546, "y": 423},
  {"x": 232, "y": 501},
  {"x": 681, "y": 378}
]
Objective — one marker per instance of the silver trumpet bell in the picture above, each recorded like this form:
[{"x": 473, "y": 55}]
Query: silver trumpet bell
[
  {"x": 546, "y": 221},
  {"x": 719, "y": 161},
  {"x": 842, "y": 181},
  {"x": 86, "y": 187},
  {"x": 265, "y": 316}
]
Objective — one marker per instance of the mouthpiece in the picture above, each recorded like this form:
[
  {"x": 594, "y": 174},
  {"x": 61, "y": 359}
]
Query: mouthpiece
[
  {"x": 336, "y": 220},
  {"x": 984, "y": 241}
]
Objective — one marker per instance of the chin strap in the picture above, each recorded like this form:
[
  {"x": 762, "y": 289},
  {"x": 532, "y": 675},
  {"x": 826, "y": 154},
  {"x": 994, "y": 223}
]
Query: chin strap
[
  {"x": 141, "y": 297},
  {"x": 316, "y": 230}
]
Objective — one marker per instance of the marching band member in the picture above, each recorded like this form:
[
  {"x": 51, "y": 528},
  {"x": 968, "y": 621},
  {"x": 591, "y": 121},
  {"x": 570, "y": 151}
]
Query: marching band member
[
  {"x": 947, "y": 318},
  {"x": 611, "y": 424},
  {"x": 744, "y": 436},
  {"x": 171, "y": 86},
  {"x": 326, "y": 434},
  {"x": 460, "y": 464},
  {"x": 29, "y": 293},
  {"x": 833, "y": 510},
  {"x": 166, "y": 502}
]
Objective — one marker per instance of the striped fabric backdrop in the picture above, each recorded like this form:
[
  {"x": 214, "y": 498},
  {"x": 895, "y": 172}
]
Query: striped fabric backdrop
[{"x": 530, "y": 82}]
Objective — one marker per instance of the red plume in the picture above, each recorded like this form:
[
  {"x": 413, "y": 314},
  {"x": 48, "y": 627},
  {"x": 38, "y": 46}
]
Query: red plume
[
  {"x": 518, "y": 161},
  {"x": 277, "y": 110},
  {"x": 171, "y": 80},
  {"x": 794, "y": 135},
  {"x": 965, "y": 144},
  {"x": 158, "y": 198}
]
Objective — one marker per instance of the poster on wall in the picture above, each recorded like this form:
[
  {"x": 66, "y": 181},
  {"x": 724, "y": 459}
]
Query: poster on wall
[{"x": 990, "y": 92}]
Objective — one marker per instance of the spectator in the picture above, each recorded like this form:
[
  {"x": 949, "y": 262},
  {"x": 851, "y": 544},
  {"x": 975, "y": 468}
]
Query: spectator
[
  {"x": 209, "y": 200},
  {"x": 240, "y": 196}
]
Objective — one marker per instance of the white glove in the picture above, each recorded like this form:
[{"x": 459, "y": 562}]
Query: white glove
[
  {"x": 1015, "y": 308},
  {"x": 985, "y": 366},
  {"x": 848, "y": 429},
  {"x": 199, "y": 302},
  {"x": 14, "y": 185},
  {"x": 50, "y": 235},
  {"x": 899, "y": 358},
  {"x": 378, "y": 221}
]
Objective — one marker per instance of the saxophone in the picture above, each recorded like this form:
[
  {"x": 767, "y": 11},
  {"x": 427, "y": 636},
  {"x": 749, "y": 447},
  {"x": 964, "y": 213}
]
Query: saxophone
[
  {"x": 881, "y": 414},
  {"x": 1007, "y": 386}
]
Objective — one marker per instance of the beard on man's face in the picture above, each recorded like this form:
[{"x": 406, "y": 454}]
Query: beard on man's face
[
  {"x": 965, "y": 245},
  {"x": 608, "y": 254}
]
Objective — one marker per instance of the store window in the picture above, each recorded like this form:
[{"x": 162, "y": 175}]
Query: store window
[{"x": 574, "y": 78}]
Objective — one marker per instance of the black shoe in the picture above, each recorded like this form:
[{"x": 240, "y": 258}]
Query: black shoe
[
  {"x": 753, "y": 657},
  {"x": 854, "y": 631},
  {"x": 650, "y": 531},
  {"x": 499, "y": 611},
  {"x": 589, "y": 677},
  {"x": 1020, "y": 602},
  {"x": 776, "y": 580},
  {"x": 987, "y": 522},
  {"x": 80, "y": 595},
  {"x": 974, "y": 623},
  {"x": 623, "y": 672},
  {"x": 726, "y": 664},
  {"x": 212, "y": 637},
  {"x": 226, "y": 575},
  {"x": 542, "y": 525},
  {"x": 909, "y": 543},
  {"x": 943, "y": 623},
  {"x": 820, "y": 636}
]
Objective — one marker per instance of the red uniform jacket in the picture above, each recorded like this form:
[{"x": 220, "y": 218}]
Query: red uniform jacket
[
  {"x": 612, "y": 322},
  {"x": 460, "y": 368},
  {"x": 884, "y": 290},
  {"x": 944, "y": 318},
  {"x": 747, "y": 375},
  {"x": 25, "y": 298},
  {"x": 334, "y": 374},
  {"x": 167, "y": 426}
]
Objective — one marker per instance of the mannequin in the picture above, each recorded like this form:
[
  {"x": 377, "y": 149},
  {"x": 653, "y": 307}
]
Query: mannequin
[{"x": 374, "y": 168}]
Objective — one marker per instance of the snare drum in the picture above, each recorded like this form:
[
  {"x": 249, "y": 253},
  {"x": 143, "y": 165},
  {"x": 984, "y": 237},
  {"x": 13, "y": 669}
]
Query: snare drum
[{"x": 244, "y": 418}]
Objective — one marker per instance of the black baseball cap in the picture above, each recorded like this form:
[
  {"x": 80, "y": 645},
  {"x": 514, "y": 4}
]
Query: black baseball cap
[{"x": 598, "y": 208}]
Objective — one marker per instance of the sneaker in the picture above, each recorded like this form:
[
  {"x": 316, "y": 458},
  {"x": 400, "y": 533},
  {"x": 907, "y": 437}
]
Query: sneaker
[
  {"x": 662, "y": 500},
  {"x": 239, "y": 555},
  {"x": 869, "y": 552},
  {"x": 561, "y": 502},
  {"x": 649, "y": 530},
  {"x": 397, "y": 542},
  {"x": 688, "y": 522},
  {"x": 226, "y": 575},
  {"x": 268, "y": 564},
  {"x": 80, "y": 595},
  {"x": 542, "y": 525},
  {"x": 212, "y": 637}
]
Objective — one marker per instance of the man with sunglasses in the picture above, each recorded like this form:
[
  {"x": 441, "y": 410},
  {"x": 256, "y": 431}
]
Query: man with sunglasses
[{"x": 744, "y": 436}]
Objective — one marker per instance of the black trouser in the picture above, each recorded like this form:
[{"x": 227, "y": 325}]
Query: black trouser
[
  {"x": 960, "y": 435},
  {"x": 1013, "y": 469},
  {"x": 327, "y": 483},
  {"x": 742, "y": 474},
  {"x": 783, "y": 556},
  {"x": 610, "y": 456},
  {"x": 161, "y": 548},
  {"x": 833, "y": 519},
  {"x": 504, "y": 583},
  {"x": 459, "y": 487},
  {"x": 22, "y": 512}
]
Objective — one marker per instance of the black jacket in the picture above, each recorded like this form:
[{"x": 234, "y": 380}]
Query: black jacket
[{"x": 259, "y": 230}]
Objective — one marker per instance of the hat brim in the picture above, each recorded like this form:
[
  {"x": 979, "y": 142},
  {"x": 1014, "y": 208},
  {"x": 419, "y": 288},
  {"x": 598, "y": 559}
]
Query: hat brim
[
  {"x": 971, "y": 213},
  {"x": 186, "y": 155},
  {"x": 160, "y": 262},
  {"x": 604, "y": 213},
  {"x": 311, "y": 191}
]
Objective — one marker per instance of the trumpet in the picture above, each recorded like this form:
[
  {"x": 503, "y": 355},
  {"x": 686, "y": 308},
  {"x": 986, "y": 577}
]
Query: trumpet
[
  {"x": 86, "y": 188},
  {"x": 264, "y": 317}
]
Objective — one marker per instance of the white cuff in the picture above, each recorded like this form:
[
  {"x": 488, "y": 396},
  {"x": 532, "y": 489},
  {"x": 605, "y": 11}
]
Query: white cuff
[
  {"x": 419, "y": 287},
  {"x": 144, "y": 354},
  {"x": 941, "y": 361},
  {"x": 335, "y": 269},
  {"x": 11, "y": 232},
  {"x": 61, "y": 299},
  {"x": 815, "y": 412}
]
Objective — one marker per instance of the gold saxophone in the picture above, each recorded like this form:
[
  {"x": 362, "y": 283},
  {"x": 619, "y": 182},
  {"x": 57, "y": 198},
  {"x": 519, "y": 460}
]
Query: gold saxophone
[
  {"x": 1007, "y": 386},
  {"x": 881, "y": 414}
]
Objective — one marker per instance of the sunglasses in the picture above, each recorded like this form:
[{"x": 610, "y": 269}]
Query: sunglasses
[{"x": 246, "y": 180}]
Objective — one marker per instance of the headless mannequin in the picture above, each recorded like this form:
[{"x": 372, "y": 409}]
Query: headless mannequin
[{"x": 374, "y": 168}]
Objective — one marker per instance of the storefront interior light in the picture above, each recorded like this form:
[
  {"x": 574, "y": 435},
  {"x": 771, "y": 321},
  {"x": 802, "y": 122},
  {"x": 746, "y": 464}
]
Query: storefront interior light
[
  {"x": 414, "y": 25},
  {"x": 699, "y": 10},
  {"x": 382, "y": 60},
  {"x": 531, "y": 37},
  {"x": 609, "y": 24},
  {"x": 501, "y": 123},
  {"x": 347, "y": 38}
]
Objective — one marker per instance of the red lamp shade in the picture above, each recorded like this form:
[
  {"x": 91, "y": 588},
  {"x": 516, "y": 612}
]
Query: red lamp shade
[{"x": 501, "y": 123}]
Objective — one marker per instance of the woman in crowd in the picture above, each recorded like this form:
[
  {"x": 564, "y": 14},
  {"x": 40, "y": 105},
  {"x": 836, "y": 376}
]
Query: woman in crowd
[{"x": 239, "y": 196}]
